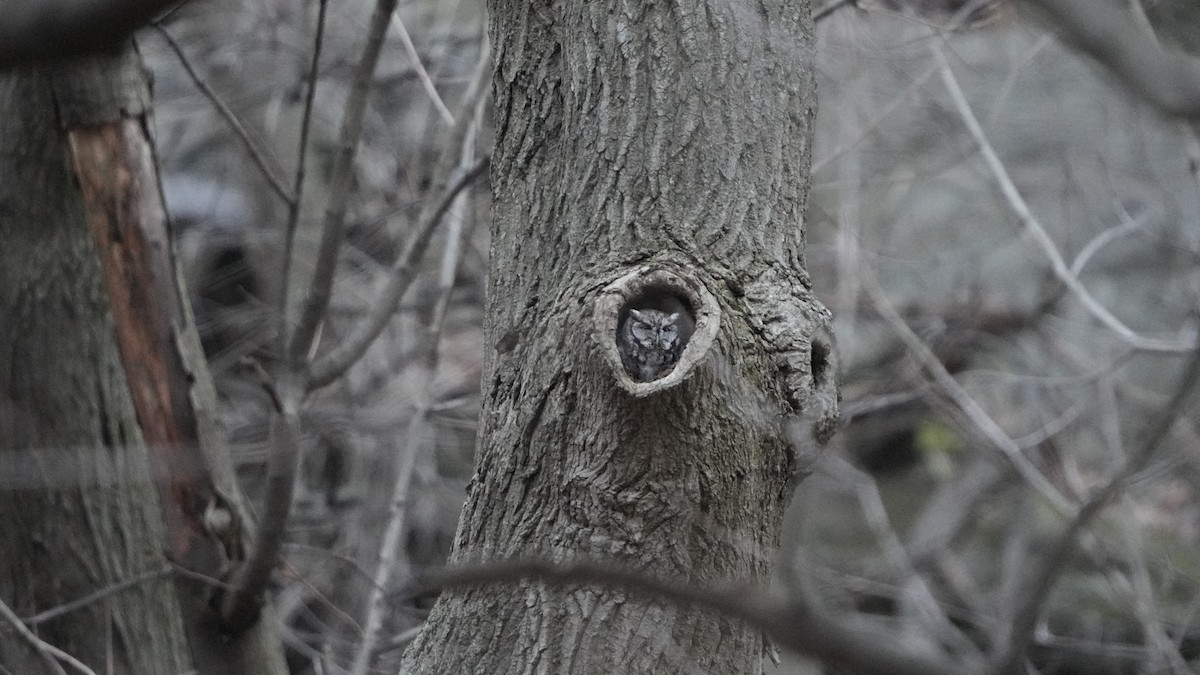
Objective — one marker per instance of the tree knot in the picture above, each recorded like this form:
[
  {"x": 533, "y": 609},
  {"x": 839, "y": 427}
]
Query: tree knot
[{"x": 654, "y": 324}]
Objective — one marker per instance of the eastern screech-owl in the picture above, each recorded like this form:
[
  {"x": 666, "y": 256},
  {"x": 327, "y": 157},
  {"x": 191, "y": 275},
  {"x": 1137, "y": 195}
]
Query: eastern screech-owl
[{"x": 650, "y": 342}]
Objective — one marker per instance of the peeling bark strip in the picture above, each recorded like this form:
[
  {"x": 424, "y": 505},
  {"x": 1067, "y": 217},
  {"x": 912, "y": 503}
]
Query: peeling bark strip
[
  {"x": 640, "y": 146},
  {"x": 112, "y": 163},
  {"x": 101, "y": 104}
]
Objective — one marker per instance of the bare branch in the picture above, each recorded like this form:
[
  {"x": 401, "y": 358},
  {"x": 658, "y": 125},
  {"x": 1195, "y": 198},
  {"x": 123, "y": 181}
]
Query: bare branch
[
  {"x": 51, "y": 30},
  {"x": 419, "y": 435},
  {"x": 1018, "y": 204},
  {"x": 1168, "y": 79},
  {"x": 240, "y": 607},
  {"x": 333, "y": 364},
  {"x": 38, "y": 645},
  {"x": 874, "y": 123},
  {"x": 1191, "y": 139},
  {"x": 341, "y": 183},
  {"x": 1101, "y": 240},
  {"x": 416, "y": 438},
  {"x": 260, "y": 158},
  {"x": 953, "y": 508},
  {"x": 824, "y": 12},
  {"x": 293, "y": 221},
  {"x": 201, "y": 578},
  {"x": 101, "y": 594},
  {"x": 876, "y": 515},
  {"x": 959, "y": 396},
  {"x": 400, "y": 641},
  {"x": 422, "y": 74},
  {"x": 1025, "y": 620},
  {"x": 1136, "y": 585}
]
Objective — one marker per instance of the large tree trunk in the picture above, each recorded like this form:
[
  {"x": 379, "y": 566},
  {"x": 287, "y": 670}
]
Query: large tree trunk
[
  {"x": 99, "y": 363},
  {"x": 78, "y": 503},
  {"x": 643, "y": 149}
]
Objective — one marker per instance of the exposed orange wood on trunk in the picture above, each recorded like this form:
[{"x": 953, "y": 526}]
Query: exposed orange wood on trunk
[{"x": 115, "y": 170}]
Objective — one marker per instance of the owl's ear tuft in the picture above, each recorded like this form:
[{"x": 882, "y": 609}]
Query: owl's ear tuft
[{"x": 668, "y": 288}]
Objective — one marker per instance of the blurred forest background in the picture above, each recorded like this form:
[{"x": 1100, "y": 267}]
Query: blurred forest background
[{"x": 1011, "y": 322}]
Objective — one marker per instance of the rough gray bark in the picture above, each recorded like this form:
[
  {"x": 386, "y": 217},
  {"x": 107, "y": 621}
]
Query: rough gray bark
[
  {"x": 99, "y": 363},
  {"x": 638, "y": 142},
  {"x": 78, "y": 508}
]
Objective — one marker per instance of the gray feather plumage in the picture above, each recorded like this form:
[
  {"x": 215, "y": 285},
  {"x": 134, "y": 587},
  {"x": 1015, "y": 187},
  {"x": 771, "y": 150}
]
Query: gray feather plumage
[{"x": 650, "y": 342}]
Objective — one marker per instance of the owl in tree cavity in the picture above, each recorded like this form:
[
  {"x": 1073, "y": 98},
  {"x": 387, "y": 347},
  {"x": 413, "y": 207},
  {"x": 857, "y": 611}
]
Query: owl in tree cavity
[{"x": 650, "y": 342}]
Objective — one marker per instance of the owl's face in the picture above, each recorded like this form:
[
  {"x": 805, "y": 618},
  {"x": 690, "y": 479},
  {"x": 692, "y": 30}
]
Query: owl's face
[{"x": 654, "y": 329}]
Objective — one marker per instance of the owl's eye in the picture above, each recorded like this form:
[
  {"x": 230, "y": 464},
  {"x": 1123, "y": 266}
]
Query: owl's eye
[{"x": 669, "y": 329}]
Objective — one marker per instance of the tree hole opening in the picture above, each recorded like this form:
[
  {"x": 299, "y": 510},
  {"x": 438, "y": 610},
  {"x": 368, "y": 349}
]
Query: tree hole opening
[
  {"x": 654, "y": 325},
  {"x": 819, "y": 361}
]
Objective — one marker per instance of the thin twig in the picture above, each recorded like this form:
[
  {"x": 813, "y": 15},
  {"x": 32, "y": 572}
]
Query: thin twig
[
  {"x": 1026, "y": 617},
  {"x": 1049, "y": 429},
  {"x": 1018, "y": 204},
  {"x": 240, "y": 607},
  {"x": 172, "y": 11},
  {"x": 43, "y": 648},
  {"x": 959, "y": 396},
  {"x": 876, "y": 515},
  {"x": 866, "y": 405},
  {"x": 1139, "y": 589},
  {"x": 329, "y": 605},
  {"x": 1100, "y": 241},
  {"x": 417, "y": 435},
  {"x": 320, "y": 289},
  {"x": 68, "y": 607},
  {"x": 875, "y": 122},
  {"x": 475, "y": 103},
  {"x": 422, "y": 74},
  {"x": 209, "y": 581},
  {"x": 230, "y": 117},
  {"x": 293, "y": 221},
  {"x": 945, "y": 515},
  {"x": 999, "y": 103},
  {"x": 399, "y": 641},
  {"x": 1168, "y": 79},
  {"x": 414, "y": 443},
  {"x": 823, "y": 13},
  {"x": 1190, "y": 138},
  {"x": 334, "y": 364}
]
